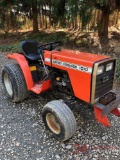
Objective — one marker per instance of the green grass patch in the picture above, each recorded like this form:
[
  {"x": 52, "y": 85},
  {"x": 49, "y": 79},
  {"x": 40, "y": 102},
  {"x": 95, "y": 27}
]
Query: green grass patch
[
  {"x": 117, "y": 77},
  {"x": 11, "y": 42},
  {"x": 10, "y": 48}
]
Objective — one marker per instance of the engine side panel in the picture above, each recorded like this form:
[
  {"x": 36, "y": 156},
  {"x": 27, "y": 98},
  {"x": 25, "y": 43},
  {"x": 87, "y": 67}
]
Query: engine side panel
[
  {"x": 79, "y": 73},
  {"x": 80, "y": 80}
]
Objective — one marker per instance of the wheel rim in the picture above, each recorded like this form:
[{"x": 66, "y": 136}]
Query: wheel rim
[
  {"x": 52, "y": 124},
  {"x": 8, "y": 84}
]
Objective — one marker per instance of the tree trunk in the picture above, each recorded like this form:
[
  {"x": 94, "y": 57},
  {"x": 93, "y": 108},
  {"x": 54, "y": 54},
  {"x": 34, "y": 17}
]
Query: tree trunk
[
  {"x": 45, "y": 19},
  {"x": 104, "y": 23},
  {"x": 35, "y": 16},
  {"x": 75, "y": 23},
  {"x": 50, "y": 18},
  {"x": 117, "y": 18},
  {"x": 68, "y": 23},
  {"x": 40, "y": 17},
  {"x": 94, "y": 20}
]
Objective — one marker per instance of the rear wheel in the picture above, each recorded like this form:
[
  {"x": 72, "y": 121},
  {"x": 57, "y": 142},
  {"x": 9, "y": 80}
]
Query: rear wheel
[
  {"x": 59, "y": 119},
  {"x": 14, "y": 82}
]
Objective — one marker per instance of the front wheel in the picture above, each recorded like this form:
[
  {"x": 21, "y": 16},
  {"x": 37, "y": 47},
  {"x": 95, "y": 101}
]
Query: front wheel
[
  {"x": 59, "y": 119},
  {"x": 14, "y": 82}
]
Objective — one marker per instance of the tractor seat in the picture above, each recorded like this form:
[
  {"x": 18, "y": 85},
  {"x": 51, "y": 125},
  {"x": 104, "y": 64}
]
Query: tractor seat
[{"x": 30, "y": 50}]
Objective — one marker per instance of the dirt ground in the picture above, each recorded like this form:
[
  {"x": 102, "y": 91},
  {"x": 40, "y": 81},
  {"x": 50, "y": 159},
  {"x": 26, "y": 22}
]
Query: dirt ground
[{"x": 24, "y": 137}]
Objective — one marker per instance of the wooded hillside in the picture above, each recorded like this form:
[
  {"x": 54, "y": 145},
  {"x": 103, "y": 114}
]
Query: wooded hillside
[{"x": 82, "y": 15}]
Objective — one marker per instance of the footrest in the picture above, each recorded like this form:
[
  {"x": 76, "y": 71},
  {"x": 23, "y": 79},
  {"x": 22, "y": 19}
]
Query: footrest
[{"x": 37, "y": 88}]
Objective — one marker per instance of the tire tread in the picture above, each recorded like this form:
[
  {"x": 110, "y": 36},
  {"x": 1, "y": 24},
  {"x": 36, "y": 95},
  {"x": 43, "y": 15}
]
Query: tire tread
[
  {"x": 20, "y": 87},
  {"x": 65, "y": 115}
]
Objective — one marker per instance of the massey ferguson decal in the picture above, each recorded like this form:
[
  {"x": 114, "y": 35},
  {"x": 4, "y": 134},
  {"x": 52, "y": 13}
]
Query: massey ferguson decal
[{"x": 73, "y": 66}]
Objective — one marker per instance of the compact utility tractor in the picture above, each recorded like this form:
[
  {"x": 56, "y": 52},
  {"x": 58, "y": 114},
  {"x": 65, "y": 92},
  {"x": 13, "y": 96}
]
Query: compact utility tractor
[{"x": 81, "y": 76}]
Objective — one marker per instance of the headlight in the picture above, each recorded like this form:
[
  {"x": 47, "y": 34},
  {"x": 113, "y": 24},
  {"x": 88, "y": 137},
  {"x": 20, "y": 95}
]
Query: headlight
[
  {"x": 100, "y": 70},
  {"x": 109, "y": 66}
]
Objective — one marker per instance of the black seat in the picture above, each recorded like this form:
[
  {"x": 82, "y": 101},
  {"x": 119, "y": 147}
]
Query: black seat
[{"x": 30, "y": 50}]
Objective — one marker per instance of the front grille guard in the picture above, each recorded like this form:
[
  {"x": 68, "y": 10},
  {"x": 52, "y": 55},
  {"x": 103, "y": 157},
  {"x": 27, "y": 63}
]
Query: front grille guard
[
  {"x": 94, "y": 76},
  {"x": 101, "y": 111}
]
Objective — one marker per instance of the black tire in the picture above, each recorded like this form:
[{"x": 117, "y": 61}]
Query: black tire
[
  {"x": 59, "y": 119},
  {"x": 14, "y": 82}
]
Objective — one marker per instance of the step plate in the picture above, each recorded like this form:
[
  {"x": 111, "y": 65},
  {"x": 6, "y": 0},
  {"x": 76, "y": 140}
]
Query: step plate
[{"x": 37, "y": 88}]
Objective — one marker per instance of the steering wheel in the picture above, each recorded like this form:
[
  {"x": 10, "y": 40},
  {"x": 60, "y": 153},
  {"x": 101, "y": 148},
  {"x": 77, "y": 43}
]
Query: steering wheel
[{"x": 49, "y": 46}]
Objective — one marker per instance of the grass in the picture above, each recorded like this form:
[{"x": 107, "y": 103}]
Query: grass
[
  {"x": 117, "y": 78},
  {"x": 12, "y": 41},
  {"x": 10, "y": 48}
]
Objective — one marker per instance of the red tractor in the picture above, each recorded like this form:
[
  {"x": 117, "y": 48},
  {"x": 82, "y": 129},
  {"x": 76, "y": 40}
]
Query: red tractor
[{"x": 80, "y": 76}]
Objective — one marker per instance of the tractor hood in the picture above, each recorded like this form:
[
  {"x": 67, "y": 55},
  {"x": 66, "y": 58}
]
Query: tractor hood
[
  {"x": 80, "y": 67},
  {"x": 78, "y": 56},
  {"x": 73, "y": 59}
]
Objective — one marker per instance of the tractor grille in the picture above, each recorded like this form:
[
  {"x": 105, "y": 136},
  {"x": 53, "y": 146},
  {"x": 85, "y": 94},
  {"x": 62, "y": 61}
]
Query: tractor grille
[{"x": 104, "y": 81}]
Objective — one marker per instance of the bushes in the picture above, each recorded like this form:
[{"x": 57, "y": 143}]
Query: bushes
[{"x": 117, "y": 76}]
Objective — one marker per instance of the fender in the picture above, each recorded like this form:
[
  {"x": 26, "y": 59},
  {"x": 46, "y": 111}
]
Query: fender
[{"x": 24, "y": 67}]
